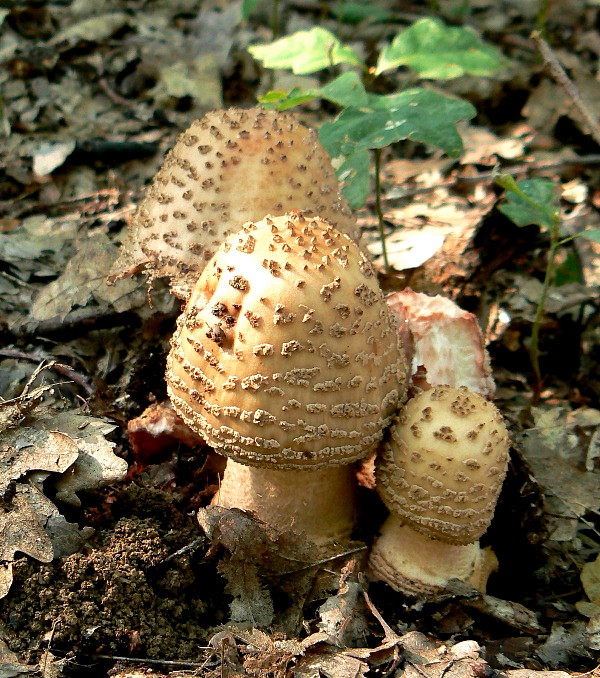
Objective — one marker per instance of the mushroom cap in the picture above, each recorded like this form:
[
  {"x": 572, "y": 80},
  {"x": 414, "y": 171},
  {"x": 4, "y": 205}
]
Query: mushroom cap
[
  {"x": 228, "y": 168},
  {"x": 287, "y": 355},
  {"x": 442, "y": 468}
]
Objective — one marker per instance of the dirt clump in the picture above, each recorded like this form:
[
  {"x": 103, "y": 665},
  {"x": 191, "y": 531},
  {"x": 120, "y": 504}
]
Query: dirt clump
[{"x": 117, "y": 597}]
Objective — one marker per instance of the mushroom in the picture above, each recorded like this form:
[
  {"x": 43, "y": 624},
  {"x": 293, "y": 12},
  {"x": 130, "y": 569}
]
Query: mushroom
[
  {"x": 444, "y": 343},
  {"x": 440, "y": 474},
  {"x": 228, "y": 168},
  {"x": 287, "y": 360}
]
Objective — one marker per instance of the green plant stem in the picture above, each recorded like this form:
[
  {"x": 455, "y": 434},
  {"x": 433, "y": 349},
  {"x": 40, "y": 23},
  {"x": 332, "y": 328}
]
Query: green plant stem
[
  {"x": 541, "y": 17},
  {"x": 534, "y": 348},
  {"x": 378, "y": 209},
  {"x": 275, "y": 19}
]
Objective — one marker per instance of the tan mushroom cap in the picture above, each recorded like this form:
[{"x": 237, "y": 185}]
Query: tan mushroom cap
[
  {"x": 287, "y": 355},
  {"x": 442, "y": 470},
  {"x": 228, "y": 168}
]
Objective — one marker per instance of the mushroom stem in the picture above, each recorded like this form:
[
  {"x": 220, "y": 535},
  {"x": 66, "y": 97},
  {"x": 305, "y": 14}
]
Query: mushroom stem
[
  {"x": 319, "y": 504},
  {"x": 422, "y": 567}
]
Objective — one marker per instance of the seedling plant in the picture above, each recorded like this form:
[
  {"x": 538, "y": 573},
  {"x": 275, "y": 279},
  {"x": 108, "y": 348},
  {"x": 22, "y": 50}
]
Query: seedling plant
[
  {"x": 371, "y": 122},
  {"x": 536, "y": 202}
]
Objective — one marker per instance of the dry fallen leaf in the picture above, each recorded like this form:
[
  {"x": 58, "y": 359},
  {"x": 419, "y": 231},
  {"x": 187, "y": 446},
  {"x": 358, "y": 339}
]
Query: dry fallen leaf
[
  {"x": 33, "y": 448},
  {"x": 483, "y": 147},
  {"x": 96, "y": 465},
  {"x": 590, "y": 578},
  {"x": 83, "y": 282},
  {"x": 554, "y": 450}
]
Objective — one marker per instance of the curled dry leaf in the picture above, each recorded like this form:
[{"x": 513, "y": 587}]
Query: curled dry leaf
[
  {"x": 96, "y": 465},
  {"x": 68, "y": 444},
  {"x": 82, "y": 284},
  {"x": 156, "y": 429},
  {"x": 25, "y": 449}
]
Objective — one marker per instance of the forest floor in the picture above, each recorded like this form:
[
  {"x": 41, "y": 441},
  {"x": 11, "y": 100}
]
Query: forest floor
[{"x": 110, "y": 574}]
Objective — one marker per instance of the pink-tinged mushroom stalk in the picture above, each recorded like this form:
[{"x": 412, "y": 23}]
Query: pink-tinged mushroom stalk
[
  {"x": 440, "y": 475},
  {"x": 287, "y": 360},
  {"x": 229, "y": 167}
]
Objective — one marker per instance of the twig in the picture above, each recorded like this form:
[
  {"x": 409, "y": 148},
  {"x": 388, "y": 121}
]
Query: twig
[
  {"x": 159, "y": 662},
  {"x": 324, "y": 561},
  {"x": 89, "y": 204},
  {"x": 592, "y": 159},
  {"x": 16, "y": 281},
  {"x": 390, "y": 634},
  {"x": 47, "y": 651},
  {"x": 559, "y": 74},
  {"x": 182, "y": 551},
  {"x": 114, "y": 96},
  {"x": 78, "y": 321},
  {"x": 66, "y": 371}
]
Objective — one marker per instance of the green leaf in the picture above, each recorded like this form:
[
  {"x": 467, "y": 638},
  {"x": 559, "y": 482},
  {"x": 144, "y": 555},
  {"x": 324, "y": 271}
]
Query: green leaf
[
  {"x": 354, "y": 177},
  {"x": 417, "y": 114},
  {"x": 434, "y": 50},
  {"x": 531, "y": 201},
  {"x": 282, "y": 100},
  {"x": 594, "y": 235},
  {"x": 305, "y": 52},
  {"x": 345, "y": 90},
  {"x": 355, "y": 12},
  {"x": 248, "y": 7},
  {"x": 568, "y": 271}
]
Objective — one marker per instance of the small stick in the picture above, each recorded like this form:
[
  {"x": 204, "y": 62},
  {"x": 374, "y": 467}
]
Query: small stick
[
  {"x": 182, "y": 551},
  {"x": 389, "y": 632},
  {"x": 156, "y": 662},
  {"x": 559, "y": 74},
  {"x": 77, "y": 322},
  {"x": 114, "y": 96},
  {"x": 592, "y": 159},
  {"x": 66, "y": 371}
]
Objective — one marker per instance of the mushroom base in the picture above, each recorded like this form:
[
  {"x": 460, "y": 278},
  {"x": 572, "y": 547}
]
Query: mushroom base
[
  {"x": 421, "y": 567},
  {"x": 319, "y": 504}
]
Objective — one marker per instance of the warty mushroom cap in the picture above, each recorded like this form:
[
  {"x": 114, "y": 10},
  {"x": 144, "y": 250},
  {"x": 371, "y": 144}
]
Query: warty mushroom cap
[
  {"x": 229, "y": 167},
  {"x": 286, "y": 355},
  {"x": 442, "y": 469}
]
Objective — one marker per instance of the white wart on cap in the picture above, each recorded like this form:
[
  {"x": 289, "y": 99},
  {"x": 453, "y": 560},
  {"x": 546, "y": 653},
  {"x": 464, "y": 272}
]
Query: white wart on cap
[{"x": 228, "y": 168}]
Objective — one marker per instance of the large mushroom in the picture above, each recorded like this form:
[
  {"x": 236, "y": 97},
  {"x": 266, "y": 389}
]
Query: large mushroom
[
  {"x": 439, "y": 474},
  {"x": 287, "y": 360},
  {"x": 228, "y": 168}
]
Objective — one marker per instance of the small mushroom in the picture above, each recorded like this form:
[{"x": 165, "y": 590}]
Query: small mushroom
[
  {"x": 440, "y": 475},
  {"x": 228, "y": 168},
  {"x": 287, "y": 360}
]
